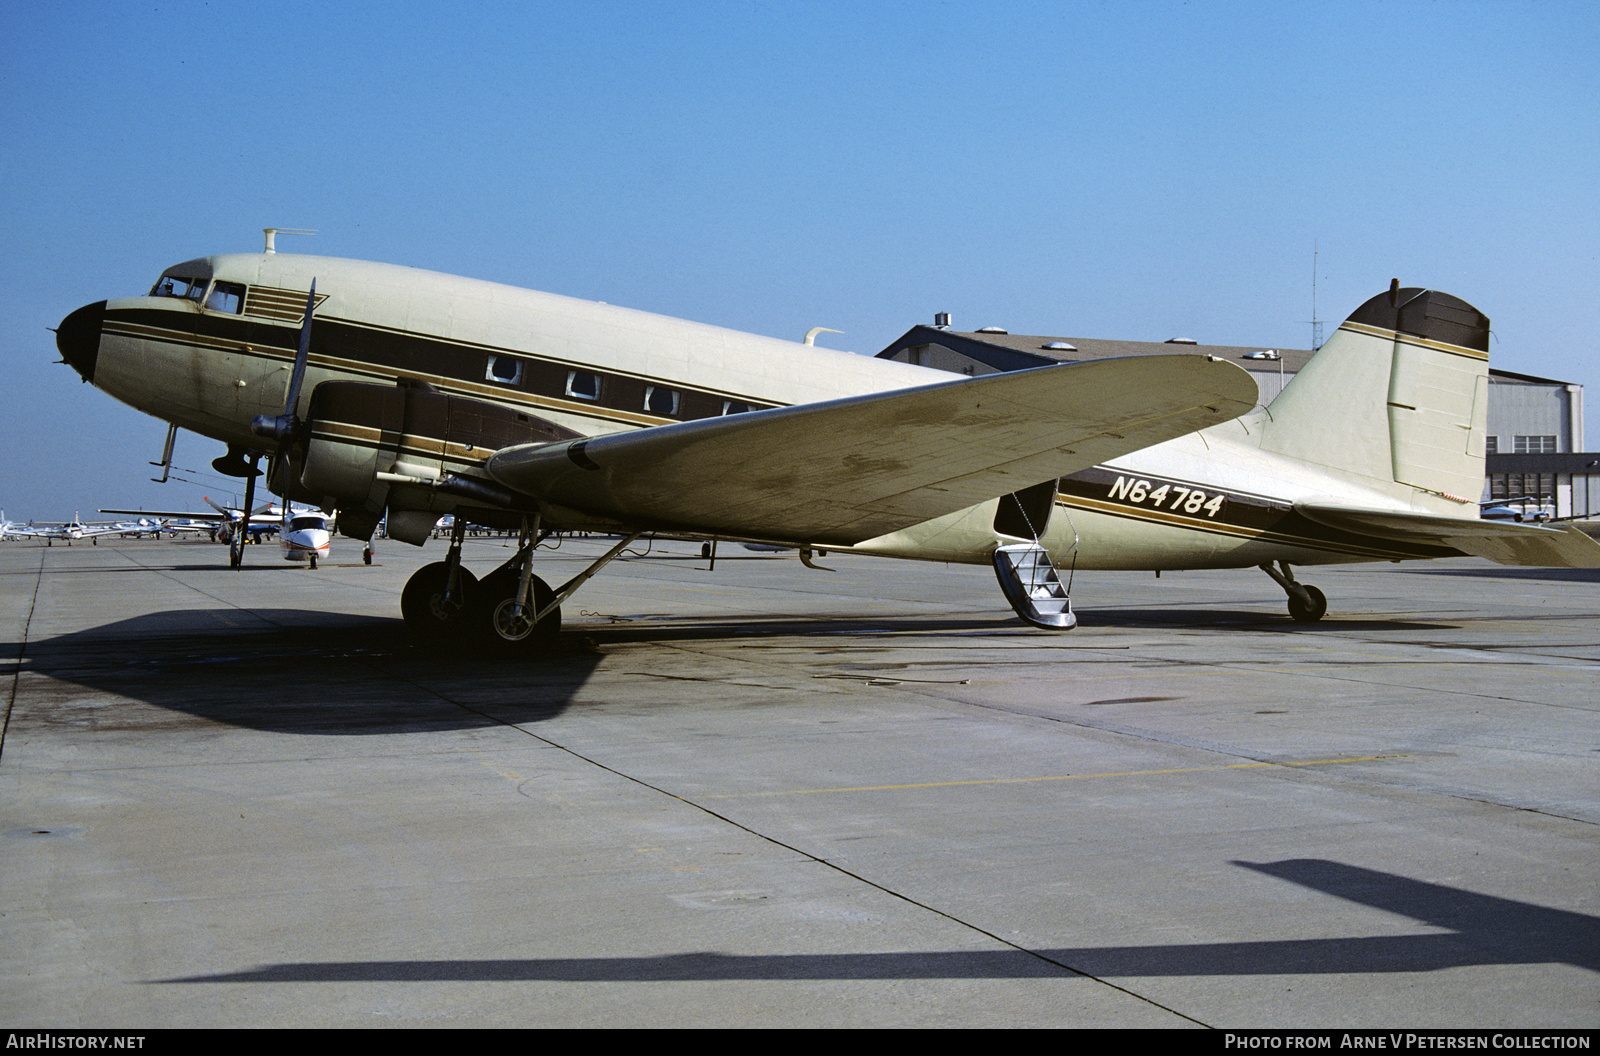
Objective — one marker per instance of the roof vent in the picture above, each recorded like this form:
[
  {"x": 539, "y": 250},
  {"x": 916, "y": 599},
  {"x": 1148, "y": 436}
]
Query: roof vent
[
  {"x": 1265, "y": 353},
  {"x": 991, "y": 330},
  {"x": 1059, "y": 346},
  {"x": 941, "y": 320},
  {"x": 1181, "y": 341}
]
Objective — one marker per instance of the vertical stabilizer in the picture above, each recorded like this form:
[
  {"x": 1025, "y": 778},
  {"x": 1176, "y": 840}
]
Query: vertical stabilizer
[{"x": 1399, "y": 393}]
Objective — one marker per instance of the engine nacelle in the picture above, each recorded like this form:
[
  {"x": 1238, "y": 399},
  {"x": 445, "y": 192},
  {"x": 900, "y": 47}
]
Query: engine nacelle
[{"x": 374, "y": 447}]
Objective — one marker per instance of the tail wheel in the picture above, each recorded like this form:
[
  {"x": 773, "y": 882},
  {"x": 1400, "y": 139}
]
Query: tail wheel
[
  {"x": 1302, "y": 612},
  {"x": 427, "y": 612}
]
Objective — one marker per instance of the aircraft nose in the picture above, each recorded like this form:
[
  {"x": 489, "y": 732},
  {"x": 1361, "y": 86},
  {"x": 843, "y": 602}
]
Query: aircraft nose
[{"x": 78, "y": 338}]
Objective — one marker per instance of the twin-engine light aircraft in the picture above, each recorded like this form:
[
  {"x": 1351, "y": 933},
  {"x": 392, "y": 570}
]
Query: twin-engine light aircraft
[{"x": 376, "y": 390}]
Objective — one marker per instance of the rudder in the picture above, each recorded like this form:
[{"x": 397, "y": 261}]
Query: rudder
[{"x": 1400, "y": 393}]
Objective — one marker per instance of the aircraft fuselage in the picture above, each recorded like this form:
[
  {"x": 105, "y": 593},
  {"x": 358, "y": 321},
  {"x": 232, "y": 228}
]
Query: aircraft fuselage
[
  {"x": 212, "y": 360},
  {"x": 426, "y": 394}
]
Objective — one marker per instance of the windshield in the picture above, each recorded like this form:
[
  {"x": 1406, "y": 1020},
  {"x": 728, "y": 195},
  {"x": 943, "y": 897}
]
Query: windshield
[{"x": 178, "y": 286}]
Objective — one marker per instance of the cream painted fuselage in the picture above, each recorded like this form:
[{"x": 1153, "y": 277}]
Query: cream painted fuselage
[{"x": 213, "y": 345}]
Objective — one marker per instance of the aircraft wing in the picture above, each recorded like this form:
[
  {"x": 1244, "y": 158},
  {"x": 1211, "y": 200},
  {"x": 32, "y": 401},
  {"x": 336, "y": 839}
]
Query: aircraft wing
[
  {"x": 851, "y": 469},
  {"x": 173, "y": 513},
  {"x": 1559, "y": 546}
]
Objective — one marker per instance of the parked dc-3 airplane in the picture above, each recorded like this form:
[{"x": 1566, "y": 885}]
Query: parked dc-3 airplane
[{"x": 378, "y": 390}]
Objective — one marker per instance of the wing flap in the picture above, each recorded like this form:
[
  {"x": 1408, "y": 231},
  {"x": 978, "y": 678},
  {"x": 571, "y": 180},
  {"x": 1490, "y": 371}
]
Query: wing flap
[
  {"x": 1556, "y": 546},
  {"x": 855, "y": 468}
]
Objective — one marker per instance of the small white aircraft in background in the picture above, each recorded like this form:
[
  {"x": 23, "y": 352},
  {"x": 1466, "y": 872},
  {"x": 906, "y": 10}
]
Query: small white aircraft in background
[
  {"x": 11, "y": 530},
  {"x": 306, "y": 535},
  {"x": 1523, "y": 508},
  {"x": 408, "y": 394},
  {"x": 71, "y": 531},
  {"x": 303, "y": 535}
]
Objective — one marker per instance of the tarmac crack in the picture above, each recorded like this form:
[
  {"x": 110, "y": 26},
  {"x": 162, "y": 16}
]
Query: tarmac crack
[
  {"x": 808, "y": 856},
  {"x": 22, "y": 647}
]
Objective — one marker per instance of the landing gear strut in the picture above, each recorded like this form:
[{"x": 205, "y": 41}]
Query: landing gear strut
[
  {"x": 1307, "y": 604},
  {"x": 241, "y": 533},
  {"x": 518, "y": 610},
  {"x": 436, "y": 599},
  {"x": 510, "y": 611}
]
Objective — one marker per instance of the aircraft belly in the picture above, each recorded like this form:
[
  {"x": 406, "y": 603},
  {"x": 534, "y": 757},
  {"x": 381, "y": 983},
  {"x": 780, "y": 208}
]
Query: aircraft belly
[
  {"x": 1115, "y": 542},
  {"x": 964, "y": 537},
  {"x": 1134, "y": 539}
]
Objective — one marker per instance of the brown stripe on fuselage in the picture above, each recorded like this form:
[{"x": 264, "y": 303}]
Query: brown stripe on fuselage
[
  {"x": 459, "y": 367},
  {"x": 1240, "y": 515}
]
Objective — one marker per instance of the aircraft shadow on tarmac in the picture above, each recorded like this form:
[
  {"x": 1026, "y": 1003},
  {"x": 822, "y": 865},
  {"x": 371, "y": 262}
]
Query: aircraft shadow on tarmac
[
  {"x": 309, "y": 673},
  {"x": 294, "y": 671},
  {"x": 289, "y": 671},
  {"x": 1191, "y": 617},
  {"x": 1476, "y": 930},
  {"x": 1560, "y": 575}
]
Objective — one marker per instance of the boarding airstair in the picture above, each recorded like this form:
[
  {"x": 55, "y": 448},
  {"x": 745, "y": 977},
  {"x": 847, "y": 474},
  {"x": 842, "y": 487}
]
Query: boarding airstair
[{"x": 1028, "y": 578}]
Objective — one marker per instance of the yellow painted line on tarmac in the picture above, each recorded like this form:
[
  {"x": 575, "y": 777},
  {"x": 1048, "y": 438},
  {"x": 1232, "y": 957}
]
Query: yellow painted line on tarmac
[
  {"x": 510, "y": 775},
  {"x": 1058, "y": 777}
]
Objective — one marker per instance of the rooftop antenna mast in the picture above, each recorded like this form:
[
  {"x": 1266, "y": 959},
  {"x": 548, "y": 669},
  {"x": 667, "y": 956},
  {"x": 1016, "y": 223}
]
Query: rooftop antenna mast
[{"x": 273, "y": 232}]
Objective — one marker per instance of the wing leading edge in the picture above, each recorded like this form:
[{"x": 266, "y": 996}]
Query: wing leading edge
[{"x": 851, "y": 469}]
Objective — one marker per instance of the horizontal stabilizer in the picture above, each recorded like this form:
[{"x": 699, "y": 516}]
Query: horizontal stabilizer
[
  {"x": 855, "y": 468},
  {"x": 1556, "y": 546}
]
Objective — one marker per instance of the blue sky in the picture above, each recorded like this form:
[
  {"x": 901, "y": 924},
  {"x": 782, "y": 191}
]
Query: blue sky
[{"x": 1134, "y": 170}]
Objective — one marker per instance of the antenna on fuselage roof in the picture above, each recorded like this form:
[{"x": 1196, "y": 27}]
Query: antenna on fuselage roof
[{"x": 272, "y": 232}]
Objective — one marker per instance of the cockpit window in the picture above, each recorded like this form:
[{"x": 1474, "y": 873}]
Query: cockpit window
[
  {"x": 226, "y": 297},
  {"x": 177, "y": 286}
]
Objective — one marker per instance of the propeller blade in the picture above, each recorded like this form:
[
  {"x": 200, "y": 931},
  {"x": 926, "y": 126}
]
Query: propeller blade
[
  {"x": 279, "y": 427},
  {"x": 302, "y": 353}
]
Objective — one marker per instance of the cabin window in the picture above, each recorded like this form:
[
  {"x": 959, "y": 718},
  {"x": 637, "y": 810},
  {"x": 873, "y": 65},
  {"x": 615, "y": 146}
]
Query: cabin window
[
  {"x": 226, "y": 297},
  {"x": 583, "y": 385},
  {"x": 177, "y": 286},
  {"x": 660, "y": 401},
  {"x": 736, "y": 407},
  {"x": 506, "y": 370}
]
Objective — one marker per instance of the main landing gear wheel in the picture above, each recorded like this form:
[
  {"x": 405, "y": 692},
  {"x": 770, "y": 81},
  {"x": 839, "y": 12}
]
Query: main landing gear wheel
[
  {"x": 1312, "y": 609},
  {"x": 502, "y": 628},
  {"x": 428, "y": 613}
]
